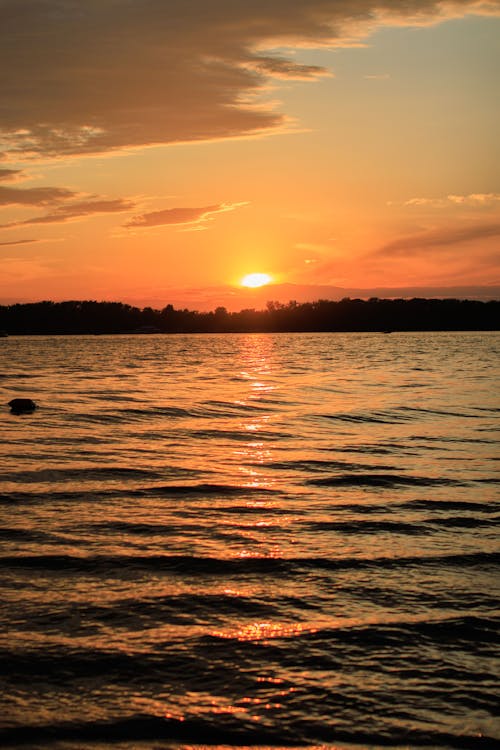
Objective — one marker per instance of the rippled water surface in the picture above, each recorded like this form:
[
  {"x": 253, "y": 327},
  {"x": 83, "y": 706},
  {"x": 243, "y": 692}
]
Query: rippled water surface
[{"x": 250, "y": 540}]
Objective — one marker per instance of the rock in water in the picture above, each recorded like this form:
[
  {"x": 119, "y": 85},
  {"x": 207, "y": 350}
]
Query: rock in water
[{"x": 20, "y": 405}]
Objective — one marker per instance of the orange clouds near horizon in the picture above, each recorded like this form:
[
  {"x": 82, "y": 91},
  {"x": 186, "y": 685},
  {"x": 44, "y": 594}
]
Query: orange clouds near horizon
[{"x": 359, "y": 138}]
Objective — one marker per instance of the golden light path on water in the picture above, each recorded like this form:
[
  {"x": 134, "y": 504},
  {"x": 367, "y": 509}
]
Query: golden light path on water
[{"x": 253, "y": 458}]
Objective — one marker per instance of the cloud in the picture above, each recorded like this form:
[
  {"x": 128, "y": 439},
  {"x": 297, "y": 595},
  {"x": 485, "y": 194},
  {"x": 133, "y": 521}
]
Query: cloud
[
  {"x": 73, "y": 211},
  {"x": 17, "y": 242},
  {"x": 60, "y": 199},
  {"x": 39, "y": 196},
  {"x": 444, "y": 237},
  {"x": 280, "y": 67},
  {"x": 80, "y": 78},
  {"x": 180, "y": 215},
  {"x": 473, "y": 200},
  {"x": 10, "y": 175}
]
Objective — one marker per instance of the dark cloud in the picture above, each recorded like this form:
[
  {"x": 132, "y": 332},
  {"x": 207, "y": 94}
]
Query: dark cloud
[
  {"x": 17, "y": 242},
  {"x": 40, "y": 196},
  {"x": 88, "y": 77},
  {"x": 73, "y": 211},
  {"x": 9, "y": 175},
  {"x": 414, "y": 244},
  {"x": 180, "y": 215},
  {"x": 280, "y": 67}
]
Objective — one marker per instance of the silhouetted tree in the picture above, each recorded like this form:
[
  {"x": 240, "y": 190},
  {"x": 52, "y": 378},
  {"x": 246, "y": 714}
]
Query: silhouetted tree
[{"x": 90, "y": 317}]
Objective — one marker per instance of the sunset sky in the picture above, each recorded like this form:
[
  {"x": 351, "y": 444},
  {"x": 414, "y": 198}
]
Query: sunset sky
[{"x": 157, "y": 151}]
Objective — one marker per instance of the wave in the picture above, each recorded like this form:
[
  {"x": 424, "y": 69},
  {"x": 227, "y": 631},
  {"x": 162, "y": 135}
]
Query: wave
[
  {"x": 451, "y": 630},
  {"x": 240, "y": 435},
  {"x": 78, "y": 474},
  {"x": 463, "y": 522},
  {"x": 439, "y": 412},
  {"x": 443, "y": 439},
  {"x": 19, "y": 375},
  {"x": 190, "y": 610},
  {"x": 317, "y": 465},
  {"x": 156, "y": 411},
  {"x": 196, "y": 564},
  {"x": 382, "y": 449},
  {"x": 369, "y": 527},
  {"x": 383, "y": 417},
  {"x": 416, "y": 527},
  {"x": 367, "y": 662},
  {"x": 200, "y": 490},
  {"x": 477, "y": 506},
  {"x": 441, "y": 507},
  {"x": 383, "y": 480},
  {"x": 230, "y": 407},
  {"x": 143, "y": 728},
  {"x": 228, "y": 731}
]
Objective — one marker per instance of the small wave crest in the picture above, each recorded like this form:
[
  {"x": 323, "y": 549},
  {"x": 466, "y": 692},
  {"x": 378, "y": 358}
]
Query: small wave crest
[
  {"x": 195, "y": 564},
  {"x": 382, "y": 480}
]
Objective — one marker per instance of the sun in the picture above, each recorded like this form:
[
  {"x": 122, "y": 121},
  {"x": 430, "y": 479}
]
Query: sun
[{"x": 254, "y": 280}]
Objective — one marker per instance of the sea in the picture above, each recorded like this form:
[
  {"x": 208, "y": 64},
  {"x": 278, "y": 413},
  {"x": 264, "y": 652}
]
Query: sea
[{"x": 255, "y": 540}]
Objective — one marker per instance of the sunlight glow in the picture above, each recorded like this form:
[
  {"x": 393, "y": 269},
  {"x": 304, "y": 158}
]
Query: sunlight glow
[{"x": 254, "y": 280}]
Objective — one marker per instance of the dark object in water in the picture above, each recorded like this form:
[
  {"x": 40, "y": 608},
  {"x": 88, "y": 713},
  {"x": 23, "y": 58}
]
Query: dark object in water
[{"x": 22, "y": 405}]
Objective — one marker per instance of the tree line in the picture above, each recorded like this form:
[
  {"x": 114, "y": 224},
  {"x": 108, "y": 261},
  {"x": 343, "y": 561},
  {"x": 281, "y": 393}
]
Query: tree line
[{"x": 91, "y": 317}]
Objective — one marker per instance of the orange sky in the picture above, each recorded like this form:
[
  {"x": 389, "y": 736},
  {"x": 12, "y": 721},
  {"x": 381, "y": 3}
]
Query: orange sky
[{"x": 156, "y": 152}]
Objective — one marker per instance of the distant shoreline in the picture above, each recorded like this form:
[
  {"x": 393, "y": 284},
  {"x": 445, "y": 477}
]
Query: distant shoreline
[
  {"x": 348, "y": 315},
  {"x": 161, "y": 334}
]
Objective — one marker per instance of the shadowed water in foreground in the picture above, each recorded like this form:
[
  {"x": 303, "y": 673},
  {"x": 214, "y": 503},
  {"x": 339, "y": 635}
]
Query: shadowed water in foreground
[{"x": 244, "y": 540}]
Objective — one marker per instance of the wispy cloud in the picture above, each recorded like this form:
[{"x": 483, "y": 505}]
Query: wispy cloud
[
  {"x": 281, "y": 67},
  {"x": 473, "y": 200},
  {"x": 162, "y": 72},
  {"x": 415, "y": 244},
  {"x": 8, "y": 243},
  {"x": 38, "y": 196},
  {"x": 10, "y": 175},
  {"x": 175, "y": 216},
  {"x": 75, "y": 211},
  {"x": 61, "y": 201}
]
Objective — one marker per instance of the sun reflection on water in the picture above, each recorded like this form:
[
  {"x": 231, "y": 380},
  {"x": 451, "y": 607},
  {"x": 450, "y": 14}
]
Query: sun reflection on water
[
  {"x": 256, "y": 369},
  {"x": 263, "y": 631}
]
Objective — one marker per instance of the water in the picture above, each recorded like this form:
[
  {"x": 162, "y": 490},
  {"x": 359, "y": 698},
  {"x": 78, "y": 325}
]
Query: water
[{"x": 250, "y": 540}]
